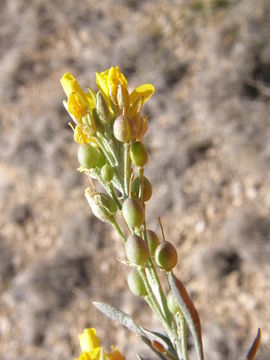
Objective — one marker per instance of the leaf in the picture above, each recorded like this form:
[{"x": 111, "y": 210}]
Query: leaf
[
  {"x": 189, "y": 311},
  {"x": 161, "y": 339},
  {"x": 118, "y": 315},
  {"x": 148, "y": 343},
  {"x": 254, "y": 347}
]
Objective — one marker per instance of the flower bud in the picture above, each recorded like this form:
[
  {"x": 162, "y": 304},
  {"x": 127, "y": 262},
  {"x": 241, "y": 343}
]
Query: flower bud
[
  {"x": 166, "y": 256},
  {"x": 133, "y": 212},
  {"x": 102, "y": 205},
  {"x": 121, "y": 129},
  {"x": 107, "y": 173},
  {"x": 172, "y": 304},
  {"x": 153, "y": 241},
  {"x": 136, "y": 250},
  {"x": 147, "y": 188},
  {"x": 122, "y": 97},
  {"x": 103, "y": 109},
  {"x": 138, "y": 154},
  {"x": 90, "y": 157},
  {"x": 135, "y": 283}
]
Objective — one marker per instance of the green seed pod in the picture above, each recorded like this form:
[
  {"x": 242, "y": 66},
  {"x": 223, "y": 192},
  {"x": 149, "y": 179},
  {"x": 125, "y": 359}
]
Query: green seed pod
[
  {"x": 89, "y": 157},
  {"x": 107, "y": 173},
  {"x": 133, "y": 212},
  {"x": 121, "y": 129},
  {"x": 172, "y": 304},
  {"x": 166, "y": 256},
  {"x": 147, "y": 188},
  {"x": 138, "y": 154},
  {"x": 136, "y": 250},
  {"x": 135, "y": 283},
  {"x": 153, "y": 241},
  {"x": 102, "y": 205}
]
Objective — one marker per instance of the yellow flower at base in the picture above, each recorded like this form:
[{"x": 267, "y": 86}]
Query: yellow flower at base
[
  {"x": 115, "y": 355},
  {"x": 91, "y": 349},
  {"x": 89, "y": 340}
]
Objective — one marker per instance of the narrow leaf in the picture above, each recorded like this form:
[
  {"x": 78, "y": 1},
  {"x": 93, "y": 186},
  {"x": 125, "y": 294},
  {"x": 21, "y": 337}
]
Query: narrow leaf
[
  {"x": 161, "y": 339},
  {"x": 254, "y": 347},
  {"x": 149, "y": 343},
  {"x": 189, "y": 311},
  {"x": 118, "y": 315}
]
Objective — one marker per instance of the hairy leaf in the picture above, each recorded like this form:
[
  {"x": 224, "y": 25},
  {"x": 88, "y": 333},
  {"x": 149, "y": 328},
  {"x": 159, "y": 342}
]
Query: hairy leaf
[
  {"x": 189, "y": 311},
  {"x": 118, "y": 315}
]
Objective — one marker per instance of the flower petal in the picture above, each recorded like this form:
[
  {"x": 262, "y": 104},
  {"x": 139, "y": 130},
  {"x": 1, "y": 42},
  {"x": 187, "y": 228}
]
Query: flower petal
[
  {"x": 70, "y": 84},
  {"x": 89, "y": 340},
  {"x": 144, "y": 92},
  {"x": 102, "y": 83}
]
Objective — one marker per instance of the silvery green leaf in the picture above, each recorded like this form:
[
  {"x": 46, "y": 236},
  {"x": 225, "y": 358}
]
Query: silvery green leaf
[
  {"x": 118, "y": 315},
  {"x": 189, "y": 311},
  {"x": 254, "y": 347}
]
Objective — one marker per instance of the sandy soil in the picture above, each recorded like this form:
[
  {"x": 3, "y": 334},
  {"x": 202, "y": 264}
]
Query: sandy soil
[{"x": 209, "y": 166}]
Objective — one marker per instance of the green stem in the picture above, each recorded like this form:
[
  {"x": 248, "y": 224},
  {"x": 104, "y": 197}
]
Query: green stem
[
  {"x": 126, "y": 168},
  {"x": 182, "y": 331},
  {"x": 152, "y": 302},
  {"x": 141, "y": 171},
  {"x": 118, "y": 229},
  {"x": 106, "y": 153},
  {"x": 114, "y": 196}
]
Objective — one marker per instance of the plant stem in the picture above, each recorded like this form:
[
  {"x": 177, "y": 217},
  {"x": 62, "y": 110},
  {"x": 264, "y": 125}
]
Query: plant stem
[
  {"x": 182, "y": 331},
  {"x": 118, "y": 229},
  {"x": 126, "y": 168}
]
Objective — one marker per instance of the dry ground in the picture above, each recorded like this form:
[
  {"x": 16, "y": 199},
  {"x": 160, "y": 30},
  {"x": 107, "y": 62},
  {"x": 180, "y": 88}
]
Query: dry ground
[{"x": 209, "y": 166}]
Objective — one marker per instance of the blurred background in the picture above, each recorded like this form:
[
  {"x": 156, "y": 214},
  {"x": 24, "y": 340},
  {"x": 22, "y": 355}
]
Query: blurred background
[{"x": 209, "y": 145}]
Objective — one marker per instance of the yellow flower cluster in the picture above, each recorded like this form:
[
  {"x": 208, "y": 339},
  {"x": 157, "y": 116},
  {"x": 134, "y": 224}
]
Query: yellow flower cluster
[
  {"x": 91, "y": 350},
  {"x": 90, "y": 111}
]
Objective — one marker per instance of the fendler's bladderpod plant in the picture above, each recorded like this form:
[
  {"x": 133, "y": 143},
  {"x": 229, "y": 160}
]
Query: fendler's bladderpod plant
[{"x": 109, "y": 127}]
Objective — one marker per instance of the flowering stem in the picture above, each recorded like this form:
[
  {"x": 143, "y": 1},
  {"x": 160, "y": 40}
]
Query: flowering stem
[
  {"x": 152, "y": 302},
  {"x": 118, "y": 229},
  {"x": 114, "y": 196},
  {"x": 182, "y": 331},
  {"x": 126, "y": 168}
]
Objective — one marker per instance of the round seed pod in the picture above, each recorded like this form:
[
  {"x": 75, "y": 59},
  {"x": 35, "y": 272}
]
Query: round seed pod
[
  {"x": 172, "y": 304},
  {"x": 133, "y": 213},
  {"x": 136, "y": 250},
  {"x": 147, "y": 188},
  {"x": 166, "y": 256},
  {"x": 135, "y": 283},
  {"x": 121, "y": 129},
  {"x": 153, "y": 241},
  {"x": 107, "y": 173},
  {"x": 90, "y": 157},
  {"x": 138, "y": 154}
]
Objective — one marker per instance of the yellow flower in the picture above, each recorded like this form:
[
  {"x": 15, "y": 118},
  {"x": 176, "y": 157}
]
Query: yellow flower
[
  {"x": 71, "y": 85},
  {"x": 143, "y": 92},
  {"x": 84, "y": 356},
  {"x": 108, "y": 82},
  {"x": 89, "y": 340},
  {"x": 114, "y": 355},
  {"x": 77, "y": 106}
]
